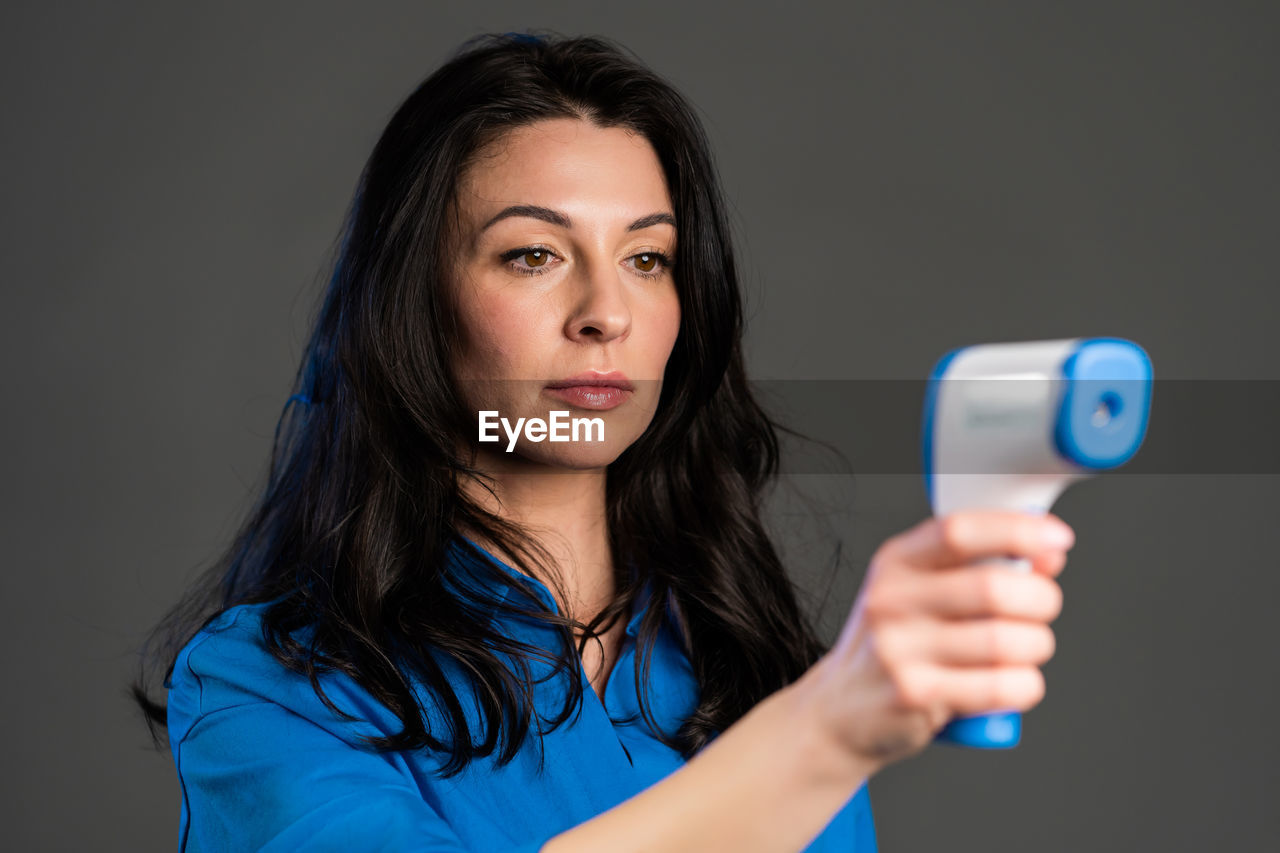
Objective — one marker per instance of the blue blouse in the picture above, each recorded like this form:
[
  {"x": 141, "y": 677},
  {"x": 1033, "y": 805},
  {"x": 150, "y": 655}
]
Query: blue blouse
[{"x": 264, "y": 764}]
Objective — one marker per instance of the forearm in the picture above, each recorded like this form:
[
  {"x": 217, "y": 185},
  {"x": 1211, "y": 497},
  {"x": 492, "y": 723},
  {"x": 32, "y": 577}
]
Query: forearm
[{"x": 767, "y": 784}]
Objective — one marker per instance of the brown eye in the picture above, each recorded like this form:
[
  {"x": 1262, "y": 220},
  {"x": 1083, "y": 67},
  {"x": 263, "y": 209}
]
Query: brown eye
[
  {"x": 646, "y": 262},
  {"x": 535, "y": 258}
]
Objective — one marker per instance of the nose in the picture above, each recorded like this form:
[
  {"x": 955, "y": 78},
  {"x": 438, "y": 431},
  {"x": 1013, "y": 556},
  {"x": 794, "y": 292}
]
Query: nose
[{"x": 600, "y": 312}]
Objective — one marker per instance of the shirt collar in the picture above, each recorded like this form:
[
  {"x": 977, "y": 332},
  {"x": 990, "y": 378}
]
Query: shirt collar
[{"x": 504, "y": 591}]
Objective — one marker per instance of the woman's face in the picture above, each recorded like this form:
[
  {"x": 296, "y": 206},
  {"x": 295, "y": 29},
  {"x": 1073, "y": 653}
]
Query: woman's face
[{"x": 560, "y": 278}]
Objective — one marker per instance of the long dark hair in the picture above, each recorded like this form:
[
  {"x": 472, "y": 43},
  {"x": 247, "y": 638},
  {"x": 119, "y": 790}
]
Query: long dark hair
[{"x": 363, "y": 496}]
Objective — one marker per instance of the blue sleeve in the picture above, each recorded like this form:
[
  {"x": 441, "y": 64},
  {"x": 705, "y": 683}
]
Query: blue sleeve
[{"x": 264, "y": 767}]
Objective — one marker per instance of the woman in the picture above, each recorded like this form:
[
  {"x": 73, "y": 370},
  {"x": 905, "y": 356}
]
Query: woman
[{"x": 538, "y": 230}]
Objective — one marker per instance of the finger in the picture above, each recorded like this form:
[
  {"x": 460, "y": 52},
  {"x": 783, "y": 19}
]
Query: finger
[
  {"x": 970, "y": 535},
  {"x": 966, "y": 642},
  {"x": 966, "y": 691},
  {"x": 1049, "y": 563},
  {"x": 964, "y": 593}
]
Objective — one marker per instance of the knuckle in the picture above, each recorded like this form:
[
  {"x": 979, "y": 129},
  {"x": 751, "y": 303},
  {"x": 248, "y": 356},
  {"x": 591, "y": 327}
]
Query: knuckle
[
  {"x": 876, "y": 603},
  {"x": 884, "y": 558},
  {"x": 885, "y": 547}
]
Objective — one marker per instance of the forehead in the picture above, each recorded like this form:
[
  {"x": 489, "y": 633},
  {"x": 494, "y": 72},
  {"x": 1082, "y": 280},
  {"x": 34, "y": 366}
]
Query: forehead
[{"x": 565, "y": 164}]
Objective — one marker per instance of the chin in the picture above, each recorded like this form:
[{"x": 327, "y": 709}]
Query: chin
[{"x": 577, "y": 458}]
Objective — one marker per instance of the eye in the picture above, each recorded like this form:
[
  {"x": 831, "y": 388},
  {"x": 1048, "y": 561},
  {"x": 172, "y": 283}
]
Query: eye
[
  {"x": 533, "y": 260},
  {"x": 651, "y": 264},
  {"x": 536, "y": 260}
]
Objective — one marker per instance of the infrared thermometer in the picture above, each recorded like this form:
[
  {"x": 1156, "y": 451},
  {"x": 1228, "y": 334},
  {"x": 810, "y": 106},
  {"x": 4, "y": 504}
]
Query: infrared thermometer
[{"x": 1010, "y": 426}]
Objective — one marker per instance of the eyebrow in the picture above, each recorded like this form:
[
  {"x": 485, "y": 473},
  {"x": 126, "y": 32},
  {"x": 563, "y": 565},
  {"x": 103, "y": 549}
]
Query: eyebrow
[{"x": 555, "y": 217}]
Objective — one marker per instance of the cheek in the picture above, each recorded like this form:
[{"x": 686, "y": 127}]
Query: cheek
[
  {"x": 491, "y": 339},
  {"x": 669, "y": 324},
  {"x": 506, "y": 335}
]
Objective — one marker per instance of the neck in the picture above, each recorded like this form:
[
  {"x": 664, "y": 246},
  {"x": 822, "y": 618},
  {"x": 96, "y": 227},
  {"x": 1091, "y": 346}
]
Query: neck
[{"x": 564, "y": 511}]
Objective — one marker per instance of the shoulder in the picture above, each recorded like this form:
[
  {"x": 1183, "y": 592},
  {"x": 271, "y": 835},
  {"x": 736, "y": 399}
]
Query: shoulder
[
  {"x": 230, "y": 646},
  {"x": 228, "y": 664}
]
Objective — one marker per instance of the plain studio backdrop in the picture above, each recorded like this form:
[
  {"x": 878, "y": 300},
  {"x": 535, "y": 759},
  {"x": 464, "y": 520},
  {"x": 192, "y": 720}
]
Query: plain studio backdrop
[{"x": 903, "y": 179}]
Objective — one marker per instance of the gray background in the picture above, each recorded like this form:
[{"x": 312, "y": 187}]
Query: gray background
[{"x": 904, "y": 178}]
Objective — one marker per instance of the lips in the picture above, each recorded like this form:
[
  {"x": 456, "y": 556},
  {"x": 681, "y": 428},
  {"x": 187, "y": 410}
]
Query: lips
[
  {"x": 592, "y": 390},
  {"x": 613, "y": 379}
]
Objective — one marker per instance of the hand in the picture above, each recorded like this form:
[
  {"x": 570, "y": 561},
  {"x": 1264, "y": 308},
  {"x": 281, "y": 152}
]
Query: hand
[{"x": 932, "y": 635}]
